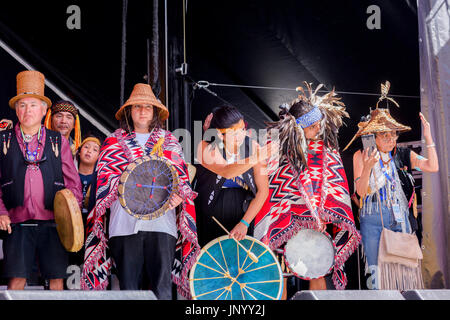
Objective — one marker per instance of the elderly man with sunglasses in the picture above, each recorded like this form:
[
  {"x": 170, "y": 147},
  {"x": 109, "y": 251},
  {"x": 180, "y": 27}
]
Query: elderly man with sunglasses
[{"x": 35, "y": 163}]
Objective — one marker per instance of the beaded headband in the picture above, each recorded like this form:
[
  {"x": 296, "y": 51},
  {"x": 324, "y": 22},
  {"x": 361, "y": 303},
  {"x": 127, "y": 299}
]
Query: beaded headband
[
  {"x": 93, "y": 139},
  {"x": 309, "y": 118}
]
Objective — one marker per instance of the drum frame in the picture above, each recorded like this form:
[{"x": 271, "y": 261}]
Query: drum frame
[
  {"x": 204, "y": 250},
  {"x": 77, "y": 228},
  {"x": 308, "y": 278},
  {"x": 124, "y": 178}
]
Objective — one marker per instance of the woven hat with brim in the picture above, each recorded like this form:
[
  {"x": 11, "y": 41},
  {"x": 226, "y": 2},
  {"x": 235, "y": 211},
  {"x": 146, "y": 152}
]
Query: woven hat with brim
[
  {"x": 30, "y": 83},
  {"x": 380, "y": 119},
  {"x": 143, "y": 94}
]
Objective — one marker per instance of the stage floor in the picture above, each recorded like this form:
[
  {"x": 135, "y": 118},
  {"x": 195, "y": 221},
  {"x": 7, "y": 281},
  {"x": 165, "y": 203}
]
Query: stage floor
[{"x": 37, "y": 293}]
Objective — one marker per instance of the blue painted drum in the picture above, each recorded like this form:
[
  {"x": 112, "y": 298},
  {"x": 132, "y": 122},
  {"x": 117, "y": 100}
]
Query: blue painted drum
[
  {"x": 225, "y": 271},
  {"x": 310, "y": 254}
]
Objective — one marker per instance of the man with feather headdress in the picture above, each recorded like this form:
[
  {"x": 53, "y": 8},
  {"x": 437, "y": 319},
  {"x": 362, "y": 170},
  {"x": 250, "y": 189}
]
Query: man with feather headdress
[{"x": 307, "y": 181}]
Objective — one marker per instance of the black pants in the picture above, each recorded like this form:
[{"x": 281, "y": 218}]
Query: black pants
[{"x": 145, "y": 255}]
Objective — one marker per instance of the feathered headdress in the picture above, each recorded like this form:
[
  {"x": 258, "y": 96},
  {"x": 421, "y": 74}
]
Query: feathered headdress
[{"x": 327, "y": 108}]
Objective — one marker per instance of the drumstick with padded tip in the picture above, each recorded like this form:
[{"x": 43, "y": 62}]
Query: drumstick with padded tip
[{"x": 250, "y": 254}]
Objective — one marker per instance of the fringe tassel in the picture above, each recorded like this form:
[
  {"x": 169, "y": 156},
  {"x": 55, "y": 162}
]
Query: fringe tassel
[
  {"x": 77, "y": 137},
  {"x": 48, "y": 119},
  {"x": 394, "y": 276}
]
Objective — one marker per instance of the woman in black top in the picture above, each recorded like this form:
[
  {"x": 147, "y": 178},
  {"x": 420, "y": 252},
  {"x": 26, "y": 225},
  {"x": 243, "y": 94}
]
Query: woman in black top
[{"x": 231, "y": 178}]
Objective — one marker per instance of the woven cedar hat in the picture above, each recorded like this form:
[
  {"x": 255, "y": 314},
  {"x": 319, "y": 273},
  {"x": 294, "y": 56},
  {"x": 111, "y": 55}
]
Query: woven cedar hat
[
  {"x": 30, "y": 83},
  {"x": 380, "y": 119},
  {"x": 143, "y": 94}
]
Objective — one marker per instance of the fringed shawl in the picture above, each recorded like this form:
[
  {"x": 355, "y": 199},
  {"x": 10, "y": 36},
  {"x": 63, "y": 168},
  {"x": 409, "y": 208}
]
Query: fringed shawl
[
  {"x": 295, "y": 200},
  {"x": 118, "y": 150}
]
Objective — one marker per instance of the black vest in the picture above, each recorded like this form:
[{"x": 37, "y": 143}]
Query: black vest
[{"x": 13, "y": 168}]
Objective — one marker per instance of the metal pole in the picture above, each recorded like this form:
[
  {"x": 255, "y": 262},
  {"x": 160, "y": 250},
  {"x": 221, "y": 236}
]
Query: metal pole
[
  {"x": 124, "y": 50},
  {"x": 154, "y": 72},
  {"x": 55, "y": 89},
  {"x": 166, "y": 61}
]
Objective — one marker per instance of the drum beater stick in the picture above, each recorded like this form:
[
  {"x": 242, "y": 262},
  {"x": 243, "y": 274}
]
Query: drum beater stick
[{"x": 250, "y": 254}]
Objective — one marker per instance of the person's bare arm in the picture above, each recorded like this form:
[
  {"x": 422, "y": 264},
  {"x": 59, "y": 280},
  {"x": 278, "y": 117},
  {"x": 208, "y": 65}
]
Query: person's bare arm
[
  {"x": 211, "y": 159},
  {"x": 262, "y": 185},
  {"x": 429, "y": 164},
  {"x": 362, "y": 167}
]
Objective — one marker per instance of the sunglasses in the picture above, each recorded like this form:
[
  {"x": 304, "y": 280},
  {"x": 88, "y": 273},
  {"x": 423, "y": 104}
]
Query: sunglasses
[{"x": 386, "y": 136}]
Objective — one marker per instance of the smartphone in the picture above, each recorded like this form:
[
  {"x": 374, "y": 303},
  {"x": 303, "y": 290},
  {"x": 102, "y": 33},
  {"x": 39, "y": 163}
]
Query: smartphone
[{"x": 368, "y": 141}]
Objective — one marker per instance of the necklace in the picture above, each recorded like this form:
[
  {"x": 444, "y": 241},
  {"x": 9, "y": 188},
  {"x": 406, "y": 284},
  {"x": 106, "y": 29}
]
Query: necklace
[
  {"x": 233, "y": 156},
  {"x": 229, "y": 156},
  {"x": 26, "y": 137},
  {"x": 387, "y": 155},
  {"x": 390, "y": 178},
  {"x": 230, "y": 153},
  {"x": 31, "y": 155}
]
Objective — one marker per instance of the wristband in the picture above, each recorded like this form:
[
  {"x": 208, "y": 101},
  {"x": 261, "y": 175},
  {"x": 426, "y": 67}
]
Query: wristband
[{"x": 245, "y": 223}]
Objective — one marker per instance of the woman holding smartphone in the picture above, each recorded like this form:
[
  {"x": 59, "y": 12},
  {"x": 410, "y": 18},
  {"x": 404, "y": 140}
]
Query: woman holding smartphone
[{"x": 383, "y": 180}]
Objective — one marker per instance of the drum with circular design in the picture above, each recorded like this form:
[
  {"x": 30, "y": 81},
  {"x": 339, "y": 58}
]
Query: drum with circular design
[
  {"x": 225, "y": 271},
  {"x": 146, "y": 187},
  {"x": 310, "y": 254}
]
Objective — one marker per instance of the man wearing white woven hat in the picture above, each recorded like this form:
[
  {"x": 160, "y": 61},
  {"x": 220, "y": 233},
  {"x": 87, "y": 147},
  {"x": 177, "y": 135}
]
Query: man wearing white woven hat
[
  {"x": 141, "y": 247},
  {"x": 34, "y": 164}
]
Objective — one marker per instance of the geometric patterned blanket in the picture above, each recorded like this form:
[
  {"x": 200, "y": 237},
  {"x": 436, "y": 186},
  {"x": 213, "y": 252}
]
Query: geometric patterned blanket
[
  {"x": 296, "y": 200},
  {"x": 118, "y": 150}
]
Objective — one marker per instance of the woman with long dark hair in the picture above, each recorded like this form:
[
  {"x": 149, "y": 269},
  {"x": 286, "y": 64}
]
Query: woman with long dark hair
[{"x": 231, "y": 181}]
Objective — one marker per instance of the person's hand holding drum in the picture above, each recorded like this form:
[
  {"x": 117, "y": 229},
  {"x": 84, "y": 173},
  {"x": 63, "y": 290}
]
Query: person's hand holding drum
[{"x": 5, "y": 223}]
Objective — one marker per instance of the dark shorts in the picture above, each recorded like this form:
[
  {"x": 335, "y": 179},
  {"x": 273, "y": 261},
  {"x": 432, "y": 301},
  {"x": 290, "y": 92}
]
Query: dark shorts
[{"x": 27, "y": 246}]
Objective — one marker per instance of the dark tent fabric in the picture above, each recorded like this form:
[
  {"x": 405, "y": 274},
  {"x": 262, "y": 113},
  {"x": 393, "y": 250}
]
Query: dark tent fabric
[
  {"x": 285, "y": 43},
  {"x": 84, "y": 63}
]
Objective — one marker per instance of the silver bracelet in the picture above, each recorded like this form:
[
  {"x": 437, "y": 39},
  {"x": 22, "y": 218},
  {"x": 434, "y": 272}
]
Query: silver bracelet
[{"x": 431, "y": 145}]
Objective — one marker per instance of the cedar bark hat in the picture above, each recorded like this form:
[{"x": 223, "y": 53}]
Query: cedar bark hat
[
  {"x": 380, "y": 119},
  {"x": 30, "y": 83},
  {"x": 143, "y": 94}
]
